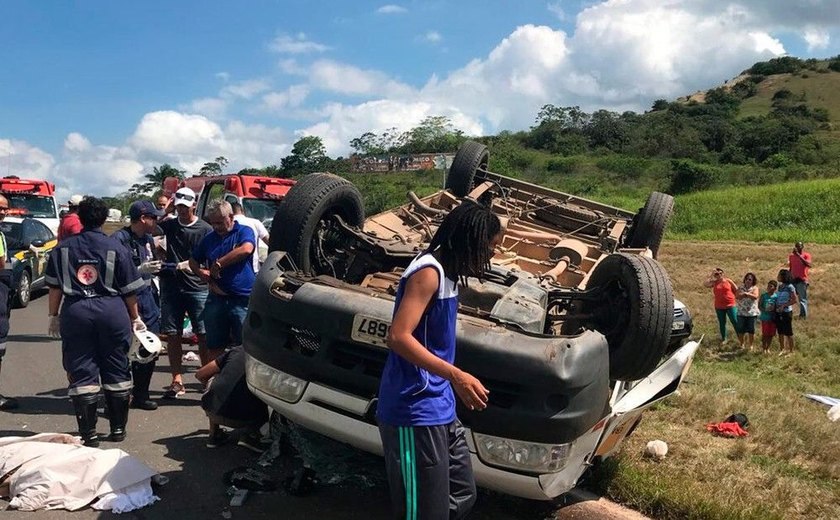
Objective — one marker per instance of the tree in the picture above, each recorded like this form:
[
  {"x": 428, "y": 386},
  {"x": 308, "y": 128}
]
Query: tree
[
  {"x": 154, "y": 180},
  {"x": 308, "y": 155},
  {"x": 213, "y": 167},
  {"x": 367, "y": 144},
  {"x": 433, "y": 134}
]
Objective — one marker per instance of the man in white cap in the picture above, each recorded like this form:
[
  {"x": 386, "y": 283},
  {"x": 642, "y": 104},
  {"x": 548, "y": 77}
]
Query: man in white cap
[
  {"x": 181, "y": 291},
  {"x": 70, "y": 223}
]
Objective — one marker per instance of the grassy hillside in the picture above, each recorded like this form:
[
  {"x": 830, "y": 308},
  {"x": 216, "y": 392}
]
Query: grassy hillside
[
  {"x": 805, "y": 210},
  {"x": 821, "y": 90}
]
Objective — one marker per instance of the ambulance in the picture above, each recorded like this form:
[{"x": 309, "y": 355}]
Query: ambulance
[{"x": 31, "y": 198}]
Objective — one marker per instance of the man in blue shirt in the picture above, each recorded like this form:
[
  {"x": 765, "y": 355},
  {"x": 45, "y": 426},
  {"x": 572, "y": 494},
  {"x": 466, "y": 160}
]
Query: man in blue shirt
[{"x": 223, "y": 260}]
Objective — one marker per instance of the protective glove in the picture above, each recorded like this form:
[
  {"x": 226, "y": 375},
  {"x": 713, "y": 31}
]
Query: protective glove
[
  {"x": 137, "y": 325},
  {"x": 183, "y": 266},
  {"x": 54, "y": 328},
  {"x": 150, "y": 267}
]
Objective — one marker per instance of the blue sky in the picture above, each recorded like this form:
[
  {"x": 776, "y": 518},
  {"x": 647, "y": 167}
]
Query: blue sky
[{"x": 95, "y": 91}]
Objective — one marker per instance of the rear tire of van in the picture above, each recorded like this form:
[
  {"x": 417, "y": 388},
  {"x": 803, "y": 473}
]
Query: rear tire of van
[
  {"x": 305, "y": 226},
  {"x": 471, "y": 156},
  {"x": 650, "y": 222},
  {"x": 635, "y": 313}
]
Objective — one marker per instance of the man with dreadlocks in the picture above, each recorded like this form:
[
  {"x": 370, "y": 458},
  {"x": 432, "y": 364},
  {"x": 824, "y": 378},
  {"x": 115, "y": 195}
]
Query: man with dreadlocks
[{"x": 426, "y": 455}]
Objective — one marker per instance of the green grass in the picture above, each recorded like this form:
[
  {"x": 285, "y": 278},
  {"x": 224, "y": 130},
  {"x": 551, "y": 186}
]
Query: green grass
[
  {"x": 787, "y": 212},
  {"x": 820, "y": 90},
  {"x": 789, "y": 465}
]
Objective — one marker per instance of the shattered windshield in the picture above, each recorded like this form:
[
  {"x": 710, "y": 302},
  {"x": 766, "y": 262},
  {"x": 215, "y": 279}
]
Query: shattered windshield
[{"x": 261, "y": 209}]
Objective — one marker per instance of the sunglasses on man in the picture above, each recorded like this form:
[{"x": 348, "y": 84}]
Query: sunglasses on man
[{"x": 184, "y": 196}]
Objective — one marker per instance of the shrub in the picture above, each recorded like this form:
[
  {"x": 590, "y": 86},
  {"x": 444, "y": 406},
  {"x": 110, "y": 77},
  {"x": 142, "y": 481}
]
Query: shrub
[
  {"x": 782, "y": 94},
  {"x": 627, "y": 167},
  {"x": 565, "y": 165},
  {"x": 783, "y": 65},
  {"x": 834, "y": 65},
  {"x": 778, "y": 160},
  {"x": 688, "y": 176}
]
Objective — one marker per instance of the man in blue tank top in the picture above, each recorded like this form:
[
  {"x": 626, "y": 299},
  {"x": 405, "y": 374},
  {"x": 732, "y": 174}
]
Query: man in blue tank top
[{"x": 426, "y": 455}]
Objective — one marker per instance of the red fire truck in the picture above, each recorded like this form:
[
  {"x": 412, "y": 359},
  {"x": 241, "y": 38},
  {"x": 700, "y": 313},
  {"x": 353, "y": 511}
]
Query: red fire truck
[
  {"x": 259, "y": 196},
  {"x": 31, "y": 198}
]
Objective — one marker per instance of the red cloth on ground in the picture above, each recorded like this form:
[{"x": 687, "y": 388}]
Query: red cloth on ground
[{"x": 727, "y": 429}]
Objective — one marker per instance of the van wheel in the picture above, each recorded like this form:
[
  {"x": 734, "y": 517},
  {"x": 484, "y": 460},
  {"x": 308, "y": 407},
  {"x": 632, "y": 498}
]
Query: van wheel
[
  {"x": 635, "y": 313},
  {"x": 471, "y": 156},
  {"x": 650, "y": 222},
  {"x": 305, "y": 225}
]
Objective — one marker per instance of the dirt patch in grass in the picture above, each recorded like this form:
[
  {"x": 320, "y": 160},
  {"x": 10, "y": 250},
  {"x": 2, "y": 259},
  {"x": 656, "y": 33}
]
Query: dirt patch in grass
[{"x": 789, "y": 466}]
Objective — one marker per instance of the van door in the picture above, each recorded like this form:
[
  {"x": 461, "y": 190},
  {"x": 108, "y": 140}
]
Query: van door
[{"x": 212, "y": 190}]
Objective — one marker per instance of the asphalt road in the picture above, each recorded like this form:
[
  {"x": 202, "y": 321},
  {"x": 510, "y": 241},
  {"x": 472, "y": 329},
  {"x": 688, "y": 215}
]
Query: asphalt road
[{"x": 171, "y": 441}]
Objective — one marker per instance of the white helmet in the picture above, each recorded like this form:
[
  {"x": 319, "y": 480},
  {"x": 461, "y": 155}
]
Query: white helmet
[{"x": 145, "y": 346}]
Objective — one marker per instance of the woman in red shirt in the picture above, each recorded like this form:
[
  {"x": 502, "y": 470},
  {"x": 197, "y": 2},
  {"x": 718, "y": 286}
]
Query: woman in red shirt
[{"x": 725, "y": 306}]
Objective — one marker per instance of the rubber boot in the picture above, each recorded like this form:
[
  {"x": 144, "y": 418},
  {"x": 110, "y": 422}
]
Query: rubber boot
[
  {"x": 118, "y": 413},
  {"x": 142, "y": 375},
  {"x": 85, "y": 406}
]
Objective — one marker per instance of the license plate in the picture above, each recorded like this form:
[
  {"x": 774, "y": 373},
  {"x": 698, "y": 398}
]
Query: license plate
[
  {"x": 678, "y": 325},
  {"x": 372, "y": 331}
]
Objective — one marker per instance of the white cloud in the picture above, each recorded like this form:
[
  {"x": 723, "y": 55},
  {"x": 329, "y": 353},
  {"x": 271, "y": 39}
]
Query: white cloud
[
  {"x": 392, "y": 9},
  {"x": 557, "y": 10},
  {"x": 347, "y": 79},
  {"x": 292, "y": 97},
  {"x": 76, "y": 142},
  {"x": 211, "y": 107},
  {"x": 292, "y": 67},
  {"x": 432, "y": 37},
  {"x": 24, "y": 160},
  {"x": 169, "y": 133},
  {"x": 224, "y": 76},
  {"x": 245, "y": 89},
  {"x": 816, "y": 38},
  {"x": 297, "y": 44},
  {"x": 96, "y": 169},
  {"x": 187, "y": 141}
]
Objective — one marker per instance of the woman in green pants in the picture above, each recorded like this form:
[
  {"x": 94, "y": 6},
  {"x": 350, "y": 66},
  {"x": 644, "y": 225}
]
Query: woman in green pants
[{"x": 724, "y": 290}]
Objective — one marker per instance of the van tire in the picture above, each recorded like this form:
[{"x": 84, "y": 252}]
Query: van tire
[
  {"x": 635, "y": 313},
  {"x": 650, "y": 222},
  {"x": 307, "y": 210},
  {"x": 470, "y": 157}
]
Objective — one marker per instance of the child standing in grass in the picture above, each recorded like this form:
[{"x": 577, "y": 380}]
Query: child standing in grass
[
  {"x": 767, "y": 303},
  {"x": 786, "y": 300}
]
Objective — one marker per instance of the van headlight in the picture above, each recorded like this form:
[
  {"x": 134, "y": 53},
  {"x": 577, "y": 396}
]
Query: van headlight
[
  {"x": 520, "y": 455},
  {"x": 274, "y": 382}
]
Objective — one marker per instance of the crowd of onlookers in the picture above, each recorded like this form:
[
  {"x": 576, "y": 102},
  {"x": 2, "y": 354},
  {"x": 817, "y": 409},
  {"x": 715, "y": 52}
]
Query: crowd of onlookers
[
  {"x": 744, "y": 304},
  {"x": 166, "y": 265}
]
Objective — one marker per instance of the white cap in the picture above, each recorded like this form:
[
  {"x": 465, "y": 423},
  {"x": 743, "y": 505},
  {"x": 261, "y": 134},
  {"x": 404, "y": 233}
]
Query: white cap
[
  {"x": 184, "y": 197},
  {"x": 75, "y": 200}
]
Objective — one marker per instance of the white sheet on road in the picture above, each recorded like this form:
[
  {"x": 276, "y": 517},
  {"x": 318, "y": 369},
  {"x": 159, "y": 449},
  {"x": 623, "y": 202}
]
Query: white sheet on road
[{"x": 54, "y": 471}]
